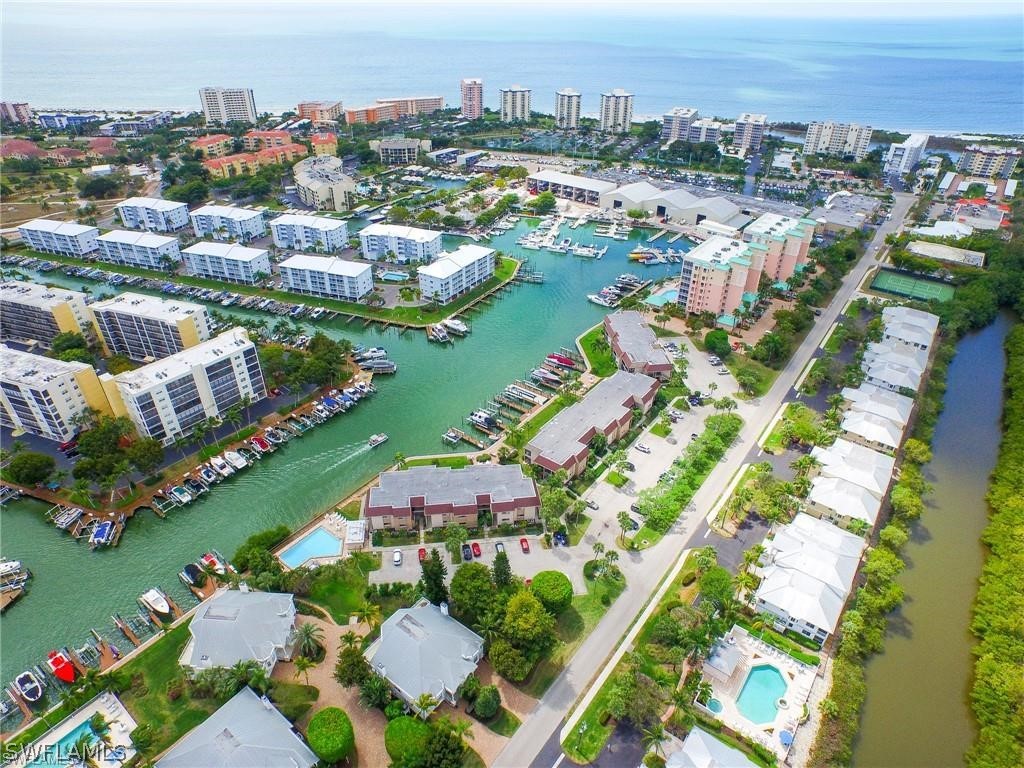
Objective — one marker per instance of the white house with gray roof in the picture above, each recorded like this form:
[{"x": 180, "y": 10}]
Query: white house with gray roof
[
  {"x": 806, "y": 575},
  {"x": 239, "y": 625},
  {"x": 247, "y": 732},
  {"x": 892, "y": 376},
  {"x": 867, "y": 468},
  {"x": 702, "y": 750},
  {"x": 424, "y": 650},
  {"x": 868, "y": 398},
  {"x": 871, "y": 431},
  {"x": 842, "y": 503},
  {"x": 909, "y": 326},
  {"x": 895, "y": 352}
]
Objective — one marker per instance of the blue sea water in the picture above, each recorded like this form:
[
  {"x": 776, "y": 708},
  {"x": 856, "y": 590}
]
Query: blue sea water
[{"x": 935, "y": 74}]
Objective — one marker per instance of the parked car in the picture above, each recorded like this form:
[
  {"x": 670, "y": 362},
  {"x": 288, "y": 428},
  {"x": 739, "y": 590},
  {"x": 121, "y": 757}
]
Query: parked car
[
  {"x": 467, "y": 552},
  {"x": 499, "y": 547},
  {"x": 524, "y": 543},
  {"x": 397, "y": 557},
  {"x": 561, "y": 539},
  {"x": 591, "y": 504},
  {"x": 634, "y": 508},
  {"x": 629, "y": 466},
  {"x": 723, "y": 371},
  {"x": 643, "y": 448},
  {"x": 634, "y": 525},
  {"x": 476, "y": 549},
  {"x": 423, "y": 554},
  {"x": 67, "y": 446},
  {"x": 714, "y": 359}
]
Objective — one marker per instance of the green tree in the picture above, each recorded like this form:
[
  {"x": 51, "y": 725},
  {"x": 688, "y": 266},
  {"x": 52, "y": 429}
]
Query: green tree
[
  {"x": 30, "y": 468},
  {"x": 501, "y": 571},
  {"x": 309, "y": 639},
  {"x": 473, "y": 591},
  {"x": 374, "y": 692},
  {"x": 330, "y": 735},
  {"x": 528, "y": 626},
  {"x": 625, "y": 523},
  {"x": 717, "y": 343},
  {"x": 637, "y": 214},
  {"x": 145, "y": 454},
  {"x": 553, "y": 589},
  {"x": 508, "y": 661},
  {"x": 488, "y": 702},
  {"x": 434, "y": 573},
  {"x": 543, "y": 203},
  {"x": 424, "y": 705},
  {"x": 444, "y": 749},
  {"x": 351, "y": 668},
  {"x": 454, "y": 537},
  {"x": 302, "y": 667},
  {"x": 716, "y": 585}
]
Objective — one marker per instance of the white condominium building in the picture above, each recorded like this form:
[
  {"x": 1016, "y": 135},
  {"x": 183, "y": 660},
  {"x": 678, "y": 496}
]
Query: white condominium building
[
  {"x": 321, "y": 183},
  {"x": 472, "y": 90},
  {"x": 515, "y": 104},
  {"x": 313, "y": 233},
  {"x": 704, "y": 130},
  {"x": 750, "y": 130},
  {"x": 567, "y": 109},
  {"x": 153, "y": 214},
  {"x": 139, "y": 249},
  {"x": 68, "y": 238},
  {"x": 326, "y": 276},
  {"x": 226, "y": 261},
  {"x": 456, "y": 273},
  {"x": 675, "y": 124},
  {"x": 44, "y": 396},
  {"x": 840, "y": 139},
  {"x": 616, "y": 111},
  {"x": 407, "y": 244},
  {"x": 33, "y": 312},
  {"x": 223, "y": 222},
  {"x": 901, "y": 158},
  {"x": 143, "y": 327},
  {"x": 222, "y": 105},
  {"x": 166, "y": 399}
]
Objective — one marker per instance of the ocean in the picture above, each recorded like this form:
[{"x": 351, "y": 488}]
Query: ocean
[{"x": 921, "y": 73}]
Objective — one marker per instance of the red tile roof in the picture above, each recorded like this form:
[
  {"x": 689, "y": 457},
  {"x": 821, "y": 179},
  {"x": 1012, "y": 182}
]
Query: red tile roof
[
  {"x": 17, "y": 147},
  {"x": 205, "y": 141},
  {"x": 324, "y": 138}
]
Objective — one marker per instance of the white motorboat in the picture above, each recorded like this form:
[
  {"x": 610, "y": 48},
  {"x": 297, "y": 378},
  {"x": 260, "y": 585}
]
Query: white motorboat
[
  {"x": 156, "y": 601},
  {"x": 456, "y": 326},
  {"x": 377, "y": 439},
  {"x": 484, "y": 419},
  {"x": 235, "y": 459},
  {"x": 9, "y": 568},
  {"x": 221, "y": 467},
  {"x": 548, "y": 377},
  {"x": 601, "y": 301},
  {"x": 525, "y": 394}
]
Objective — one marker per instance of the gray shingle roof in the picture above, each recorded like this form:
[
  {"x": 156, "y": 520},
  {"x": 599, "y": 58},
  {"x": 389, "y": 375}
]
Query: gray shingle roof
[
  {"x": 238, "y": 626},
  {"x": 636, "y": 339},
  {"x": 441, "y": 485},
  {"x": 246, "y": 732}
]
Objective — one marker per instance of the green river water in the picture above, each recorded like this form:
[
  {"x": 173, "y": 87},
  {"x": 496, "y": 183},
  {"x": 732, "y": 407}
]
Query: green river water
[
  {"x": 75, "y": 589},
  {"x": 917, "y": 713}
]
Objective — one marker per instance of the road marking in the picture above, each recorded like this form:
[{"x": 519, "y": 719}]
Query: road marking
[
  {"x": 558, "y": 762},
  {"x": 707, "y": 533}
]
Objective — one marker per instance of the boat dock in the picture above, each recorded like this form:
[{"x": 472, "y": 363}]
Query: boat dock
[
  {"x": 462, "y": 435},
  {"x": 10, "y": 597},
  {"x": 660, "y": 233},
  {"x": 127, "y": 630},
  {"x": 675, "y": 237}
]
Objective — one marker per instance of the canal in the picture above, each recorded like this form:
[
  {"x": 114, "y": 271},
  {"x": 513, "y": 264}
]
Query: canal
[
  {"x": 917, "y": 711},
  {"x": 75, "y": 589}
]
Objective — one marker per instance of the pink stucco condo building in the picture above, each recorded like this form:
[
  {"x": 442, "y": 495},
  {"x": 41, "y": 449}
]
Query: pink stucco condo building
[{"x": 788, "y": 241}]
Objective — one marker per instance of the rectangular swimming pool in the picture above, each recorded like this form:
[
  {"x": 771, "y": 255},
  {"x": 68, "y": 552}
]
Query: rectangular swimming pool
[
  {"x": 661, "y": 299},
  {"x": 394, "y": 277},
  {"x": 317, "y": 543}
]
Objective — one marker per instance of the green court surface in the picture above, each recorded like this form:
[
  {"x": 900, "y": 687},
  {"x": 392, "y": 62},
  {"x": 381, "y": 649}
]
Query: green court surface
[{"x": 911, "y": 287}]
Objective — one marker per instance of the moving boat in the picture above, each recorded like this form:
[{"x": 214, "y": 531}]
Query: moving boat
[
  {"x": 601, "y": 301},
  {"x": 235, "y": 459},
  {"x": 548, "y": 377},
  {"x": 28, "y": 686},
  {"x": 156, "y": 601},
  {"x": 221, "y": 467},
  {"x": 561, "y": 360},
  {"x": 61, "y": 666},
  {"x": 456, "y": 326},
  {"x": 377, "y": 439},
  {"x": 484, "y": 419}
]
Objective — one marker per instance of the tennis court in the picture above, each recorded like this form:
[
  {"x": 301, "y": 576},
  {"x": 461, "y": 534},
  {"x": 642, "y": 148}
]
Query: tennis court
[{"x": 920, "y": 288}]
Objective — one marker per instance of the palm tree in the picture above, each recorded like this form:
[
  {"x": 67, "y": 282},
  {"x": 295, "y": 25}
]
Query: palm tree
[
  {"x": 761, "y": 622},
  {"x": 489, "y": 627},
  {"x": 598, "y": 549},
  {"x": 350, "y": 639},
  {"x": 309, "y": 638},
  {"x": 745, "y": 581},
  {"x": 83, "y": 751},
  {"x": 369, "y": 614},
  {"x": 259, "y": 681},
  {"x": 752, "y": 555},
  {"x": 302, "y": 667},
  {"x": 704, "y": 691},
  {"x": 400, "y": 459},
  {"x": 705, "y": 558},
  {"x": 424, "y": 705},
  {"x": 653, "y": 737}
]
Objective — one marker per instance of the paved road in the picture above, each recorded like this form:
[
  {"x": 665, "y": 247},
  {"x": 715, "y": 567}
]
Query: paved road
[{"x": 644, "y": 571}]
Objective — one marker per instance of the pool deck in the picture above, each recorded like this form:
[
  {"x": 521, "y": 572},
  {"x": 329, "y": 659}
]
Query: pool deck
[
  {"x": 331, "y": 522},
  {"x": 798, "y": 677},
  {"x": 121, "y": 726}
]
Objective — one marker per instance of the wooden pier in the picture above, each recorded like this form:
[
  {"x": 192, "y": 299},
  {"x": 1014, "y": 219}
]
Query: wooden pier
[
  {"x": 467, "y": 438},
  {"x": 10, "y": 597},
  {"x": 126, "y": 630},
  {"x": 509, "y": 402}
]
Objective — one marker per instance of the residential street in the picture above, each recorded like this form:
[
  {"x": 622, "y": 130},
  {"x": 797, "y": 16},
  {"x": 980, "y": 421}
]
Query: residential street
[{"x": 645, "y": 570}]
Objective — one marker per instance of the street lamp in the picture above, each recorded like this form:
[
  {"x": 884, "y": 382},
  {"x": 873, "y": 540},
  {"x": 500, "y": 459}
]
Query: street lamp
[{"x": 579, "y": 733}]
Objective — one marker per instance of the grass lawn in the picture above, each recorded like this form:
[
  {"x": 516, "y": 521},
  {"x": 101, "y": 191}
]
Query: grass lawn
[
  {"x": 784, "y": 644},
  {"x": 765, "y": 376},
  {"x": 616, "y": 478},
  {"x": 661, "y": 430},
  {"x": 600, "y": 358},
  {"x": 665, "y": 333},
  {"x": 351, "y": 510},
  {"x": 645, "y": 534},
  {"x": 452, "y": 462},
  {"x": 573, "y": 627},
  {"x": 503, "y": 272},
  {"x": 577, "y": 528},
  {"x": 148, "y": 702},
  {"x": 292, "y": 699},
  {"x": 834, "y": 341},
  {"x": 797, "y": 413},
  {"x": 399, "y": 538},
  {"x": 472, "y": 759},
  {"x": 504, "y": 723},
  {"x": 341, "y": 596},
  {"x": 748, "y": 474}
]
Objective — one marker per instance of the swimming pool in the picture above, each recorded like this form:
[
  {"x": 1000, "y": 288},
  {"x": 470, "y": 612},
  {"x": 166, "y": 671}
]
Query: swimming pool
[
  {"x": 317, "y": 543},
  {"x": 758, "y": 700},
  {"x": 60, "y": 753},
  {"x": 661, "y": 299},
  {"x": 394, "y": 277}
]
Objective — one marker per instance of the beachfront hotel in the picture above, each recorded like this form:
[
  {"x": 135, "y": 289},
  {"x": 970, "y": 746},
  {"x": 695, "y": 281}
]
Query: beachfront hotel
[
  {"x": 456, "y": 273},
  {"x": 30, "y": 312},
  {"x": 472, "y": 91},
  {"x": 719, "y": 276},
  {"x": 787, "y": 241},
  {"x": 408, "y": 106},
  {"x": 372, "y": 113},
  {"x": 616, "y": 111},
  {"x": 46, "y": 397},
  {"x": 322, "y": 184},
  {"x": 567, "y": 109},
  {"x": 67, "y": 238},
  {"x": 319, "y": 112},
  {"x": 439, "y": 496},
  {"x": 146, "y": 328},
  {"x": 166, "y": 399},
  {"x": 152, "y": 214},
  {"x": 635, "y": 347},
  {"x": 326, "y": 276},
  {"x": 223, "y": 222},
  {"x": 515, "y": 104},
  {"x": 564, "y": 442},
  {"x": 807, "y": 573},
  {"x": 313, "y": 233},
  {"x": 139, "y": 249},
  {"x": 224, "y": 105},
  {"x": 407, "y": 244},
  {"x": 226, "y": 261},
  {"x": 989, "y": 162},
  {"x": 838, "y": 139},
  {"x": 749, "y": 131}
]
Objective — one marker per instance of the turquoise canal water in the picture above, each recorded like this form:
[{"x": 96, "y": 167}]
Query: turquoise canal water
[{"x": 75, "y": 589}]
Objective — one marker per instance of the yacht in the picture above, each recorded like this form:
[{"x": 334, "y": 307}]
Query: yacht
[
  {"x": 235, "y": 459},
  {"x": 156, "y": 601},
  {"x": 9, "y": 568},
  {"x": 456, "y": 326},
  {"x": 546, "y": 376},
  {"x": 373, "y": 353},
  {"x": 221, "y": 467},
  {"x": 439, "y": 334},
  {"x": 484, "y": 419},
  {"x": 377, "y": 439},
  {"x": 601, "y": 301}
]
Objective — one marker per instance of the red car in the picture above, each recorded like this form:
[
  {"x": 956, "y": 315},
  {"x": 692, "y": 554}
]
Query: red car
[
  {"x": 525, "y": 544},
  {"x": 476, "y": 549},
  {"x": 423, "y": 554}
]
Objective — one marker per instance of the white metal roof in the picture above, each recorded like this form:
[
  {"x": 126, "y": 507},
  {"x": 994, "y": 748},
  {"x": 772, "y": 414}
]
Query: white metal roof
[
  {"x": 70, "y": 228},
  {"x": 141, "y": 239},
  {"x": 155, "y": 203},
  {"x": 231, "y": 251},
  {"x": 325, "y": 264}
]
